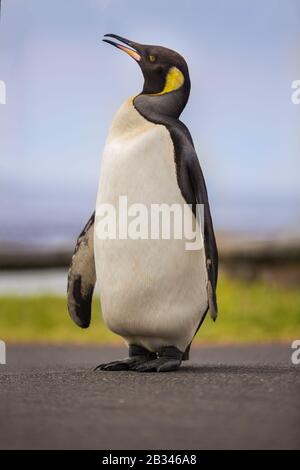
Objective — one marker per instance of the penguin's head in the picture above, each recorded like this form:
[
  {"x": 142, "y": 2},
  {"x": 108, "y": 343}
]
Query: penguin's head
[{"x": 165, "y": 72}]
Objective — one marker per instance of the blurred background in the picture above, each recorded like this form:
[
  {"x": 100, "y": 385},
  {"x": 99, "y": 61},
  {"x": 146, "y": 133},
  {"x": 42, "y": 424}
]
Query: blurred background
[{"x": 63, "y": 86}]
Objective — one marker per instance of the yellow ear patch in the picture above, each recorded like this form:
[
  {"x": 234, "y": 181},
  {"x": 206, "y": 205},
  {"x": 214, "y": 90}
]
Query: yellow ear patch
[{"x": 174, "y": 80}]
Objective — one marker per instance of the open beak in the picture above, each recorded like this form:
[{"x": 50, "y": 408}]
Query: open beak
[{"x": 132, "y": 50}]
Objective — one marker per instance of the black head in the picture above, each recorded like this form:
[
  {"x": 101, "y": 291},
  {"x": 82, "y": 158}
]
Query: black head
[{"x": 165, "y": 72}]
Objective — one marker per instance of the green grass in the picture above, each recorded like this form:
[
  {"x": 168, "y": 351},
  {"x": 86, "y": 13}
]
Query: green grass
[{"x": 247, "y": 313}]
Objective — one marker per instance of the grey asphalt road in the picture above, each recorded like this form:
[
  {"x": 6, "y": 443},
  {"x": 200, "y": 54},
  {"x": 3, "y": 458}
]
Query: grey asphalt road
[{"x": 224, "y": 398}]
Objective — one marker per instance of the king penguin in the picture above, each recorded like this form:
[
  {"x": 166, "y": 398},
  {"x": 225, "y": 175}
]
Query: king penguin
[{"x": 155, "y": 294}]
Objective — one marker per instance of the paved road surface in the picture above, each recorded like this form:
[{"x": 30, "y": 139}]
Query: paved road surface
[{"x": 226, "y": 397}]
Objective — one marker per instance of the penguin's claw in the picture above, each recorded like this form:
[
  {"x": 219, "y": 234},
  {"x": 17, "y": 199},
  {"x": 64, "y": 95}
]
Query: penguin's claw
[
  {"x": 124, "y": 364},
  {"x": 115, "y": 365},
  {"x": 162, "y": 364}
]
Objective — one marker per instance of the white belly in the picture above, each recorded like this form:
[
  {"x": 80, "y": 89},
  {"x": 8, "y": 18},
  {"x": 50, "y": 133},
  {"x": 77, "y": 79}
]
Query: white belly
[{"x": 153, "y": 292}]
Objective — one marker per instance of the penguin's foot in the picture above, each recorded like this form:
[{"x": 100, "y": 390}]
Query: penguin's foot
[
  {"x": 169, "y": 359},
  {"x": 137, "y": 356},
  {"x": 129, "y": 363}
]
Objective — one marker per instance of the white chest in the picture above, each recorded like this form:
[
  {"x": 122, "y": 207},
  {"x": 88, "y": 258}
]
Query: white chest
[{"x": 138, "y": 161}]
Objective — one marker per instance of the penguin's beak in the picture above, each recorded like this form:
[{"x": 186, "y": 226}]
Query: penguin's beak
[{"x": 132, "y": 50}]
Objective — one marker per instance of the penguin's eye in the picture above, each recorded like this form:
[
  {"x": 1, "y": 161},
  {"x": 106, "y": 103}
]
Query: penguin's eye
[{"x": 152, "y": 58}]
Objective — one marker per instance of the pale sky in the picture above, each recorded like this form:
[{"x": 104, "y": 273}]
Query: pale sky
[{"x": 64, "y": 86}]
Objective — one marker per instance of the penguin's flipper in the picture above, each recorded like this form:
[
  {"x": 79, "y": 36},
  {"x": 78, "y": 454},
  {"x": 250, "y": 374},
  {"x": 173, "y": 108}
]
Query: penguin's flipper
[
  {"x": 200, "y": 194},
  {"x": 82, "y": 277}
]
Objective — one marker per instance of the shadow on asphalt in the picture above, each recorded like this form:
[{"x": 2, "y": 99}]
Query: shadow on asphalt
[{"x": 233, "y": 369}]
